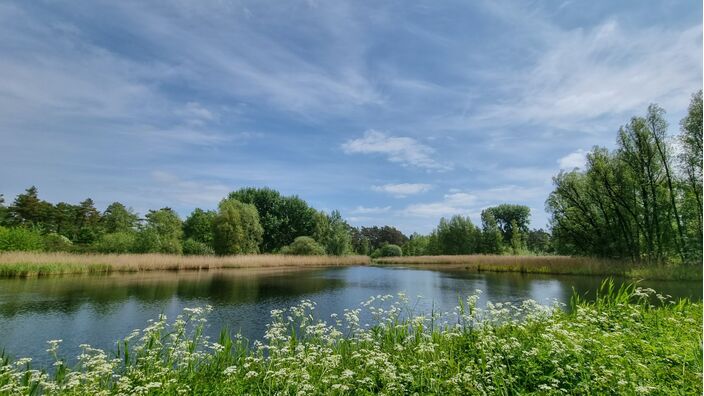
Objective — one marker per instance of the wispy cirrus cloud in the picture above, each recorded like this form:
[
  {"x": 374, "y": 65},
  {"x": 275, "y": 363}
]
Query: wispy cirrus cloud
[
  {"x": 402, "y": 150},
  {"x": 607, "y": 72}
]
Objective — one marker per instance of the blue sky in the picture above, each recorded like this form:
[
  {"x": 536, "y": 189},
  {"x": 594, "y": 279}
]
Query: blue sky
[{"x": 392, "y": 112}]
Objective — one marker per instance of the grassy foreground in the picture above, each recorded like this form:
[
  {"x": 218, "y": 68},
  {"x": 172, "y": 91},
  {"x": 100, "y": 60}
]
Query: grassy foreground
[
  {"x": 551, "y": 265},
  {"x": 24, "y": 264},
  {"x": 618, "y": 344}
]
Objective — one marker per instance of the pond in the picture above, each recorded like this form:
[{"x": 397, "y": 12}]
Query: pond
[{"x": 99, "y": 310}]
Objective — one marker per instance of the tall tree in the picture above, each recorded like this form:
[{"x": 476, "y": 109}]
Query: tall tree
[
  {"x": 199, "y": 226},
  {"x": 282, "y": 218},
  {"x": 162, "y": 232},
  {"x": 690, "y": 164},
  {"x": 29, "y": 210},
  {"x": 118, "y": 218},
  {"x": 236, "y": 228},
  {"x": 505, "y": 216},
  {"x": 458, "y": 236}
]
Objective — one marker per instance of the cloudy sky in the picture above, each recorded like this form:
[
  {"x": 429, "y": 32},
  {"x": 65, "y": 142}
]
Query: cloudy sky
[{"x": 392, "y": 112}]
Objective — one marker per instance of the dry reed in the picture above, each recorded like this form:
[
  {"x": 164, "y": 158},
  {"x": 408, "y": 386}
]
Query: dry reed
[{"x": 33, "y": 263}]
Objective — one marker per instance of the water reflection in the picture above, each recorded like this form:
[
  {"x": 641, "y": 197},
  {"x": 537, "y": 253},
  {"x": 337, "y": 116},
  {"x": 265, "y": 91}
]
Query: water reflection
[{"x": 101, "y": 309}]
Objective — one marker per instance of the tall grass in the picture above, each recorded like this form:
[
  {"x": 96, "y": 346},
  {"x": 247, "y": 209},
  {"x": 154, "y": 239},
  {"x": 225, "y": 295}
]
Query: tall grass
[
  {"x": 628, "y": 341},
  {"x": 550, "y": 265},
  {"x": 24, "y": 264}
]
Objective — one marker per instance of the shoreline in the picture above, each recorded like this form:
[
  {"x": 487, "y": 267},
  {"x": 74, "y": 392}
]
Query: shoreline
[
  {"x": 548, "y": 265},
  {"x": 27, "y": 264},
  {"x": 38, "y": 264}
]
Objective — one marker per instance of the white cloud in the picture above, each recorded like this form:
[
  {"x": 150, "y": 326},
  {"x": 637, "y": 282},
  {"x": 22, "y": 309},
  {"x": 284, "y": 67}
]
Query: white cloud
[
  {"x": 609, "y": 70},
  {"x": 398, "y": 149},
  {"x": 402, "y": 190},
  {"x": 172, "y": 188},
  {"x": 573, "y": 160},
  {"x": 370, "y": 210},
  {"x": 451, "y": 204}
]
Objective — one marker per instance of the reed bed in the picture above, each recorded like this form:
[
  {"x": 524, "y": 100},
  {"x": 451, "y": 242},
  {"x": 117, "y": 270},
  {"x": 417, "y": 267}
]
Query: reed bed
[
  {"x": 561, "y": 265},
  {"x": 26, "y": 264}
]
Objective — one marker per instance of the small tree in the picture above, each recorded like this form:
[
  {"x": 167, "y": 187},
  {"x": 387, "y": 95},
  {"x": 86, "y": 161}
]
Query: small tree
[
  {"x": 236, "y": 228},
  {"x": 304, "y": 246},
  {"x": 388, "y": 250}
]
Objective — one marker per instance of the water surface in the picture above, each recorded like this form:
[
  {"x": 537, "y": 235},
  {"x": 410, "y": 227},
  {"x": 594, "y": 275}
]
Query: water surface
[{"x": 99, "y": 310}]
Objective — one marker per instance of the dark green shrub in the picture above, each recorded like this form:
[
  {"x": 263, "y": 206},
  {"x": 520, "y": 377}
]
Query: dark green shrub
[
  {"x": 20, "y": 239},
  {"x": 195, "y": 248},
  {"x": 389, "y": 250},
  {"x": 54, "y": 242},
  {"x": 304, "y": 246}
]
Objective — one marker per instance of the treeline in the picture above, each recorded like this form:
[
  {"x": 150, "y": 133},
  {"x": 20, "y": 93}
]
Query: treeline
[
  {"x": 250, "y": 221},
  {"x": 641, "y": 201},
  {"x": 247, "y": 221},
  {"x": 504, "y": 230}
]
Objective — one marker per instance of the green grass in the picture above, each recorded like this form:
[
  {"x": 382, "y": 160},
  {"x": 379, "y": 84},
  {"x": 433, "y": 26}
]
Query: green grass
[
  {"x": 556, "y": 265},
  {"x": 628, "y": 341}
]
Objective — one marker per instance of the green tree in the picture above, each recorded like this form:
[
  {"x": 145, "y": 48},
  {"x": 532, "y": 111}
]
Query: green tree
[
  {"x": 20, "y": 239},
  {"x": 379, "y": 236},
  {"x": 505, "y": 216},
  {"x": 631, "y": 202},
  {"x": 282, "y": 218},
  {"x": 333, "y": 233},
  {"x": 196, "y": 248},
  {"x": 199, "y": 226},
  {"x": 126, "y": 242},
  {"x": 457, "y": 236},
  {"x": 491, "y": 238},
  {"x": 28, "y": 210},
  {"x": 517, "y": 242},
  {"x": 690, "y": 164},
  {"x": 236, "y": 228},
  {"x": 388, "y": 250},
  {"x": 417, "y": 245},
  {"x": 304, "y": 246},
  {"x": 3, "y": 210},
  {"x": 54, "y": 242},
  {"x": 162, "y": 232},
  {"x": 538, "y": 241},
  {"x": 118, "y": 218}
]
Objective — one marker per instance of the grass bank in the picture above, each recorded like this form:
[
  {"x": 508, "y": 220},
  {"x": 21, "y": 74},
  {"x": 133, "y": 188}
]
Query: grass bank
[
  {"x": 619, "y": 344},
  {"x": 550, "y": 265},
  {"x": 26, "y": 264}
]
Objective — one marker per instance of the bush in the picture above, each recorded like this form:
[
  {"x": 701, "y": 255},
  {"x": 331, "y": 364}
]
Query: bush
[
  {"x": 389, "y": 250},
  {"x": 304, "y": 246},
  {"x": 195, "y": 248},
  {"x": 116, "y": 242},
  {"x": 57, "y": 243},
  {"x": 150, "y": 241},
  {"x": 20, "y": 239}
]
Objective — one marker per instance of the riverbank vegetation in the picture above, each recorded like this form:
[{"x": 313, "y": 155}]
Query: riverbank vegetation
[
  {"x": 558, "y": 265},
  {"x": 641, "y": 201},
  {"x": 27, "y": 264},
  {"x": 627, "y": 341}
]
